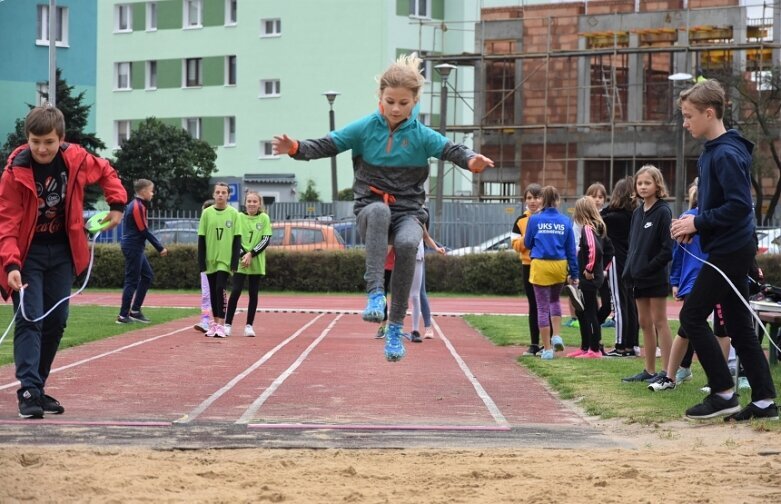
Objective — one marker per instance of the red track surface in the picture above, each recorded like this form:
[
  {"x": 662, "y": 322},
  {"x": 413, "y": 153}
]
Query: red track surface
[{"x": 304, "y": 367}]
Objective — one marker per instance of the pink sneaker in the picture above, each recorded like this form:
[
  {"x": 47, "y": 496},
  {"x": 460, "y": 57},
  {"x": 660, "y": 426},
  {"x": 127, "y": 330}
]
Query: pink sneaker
[
  {"x": 590, "y": 355},
  {"x": 212, "y": 330},
  {"x": 220, "y": 332},
  {"x": 577, "y": 353}
]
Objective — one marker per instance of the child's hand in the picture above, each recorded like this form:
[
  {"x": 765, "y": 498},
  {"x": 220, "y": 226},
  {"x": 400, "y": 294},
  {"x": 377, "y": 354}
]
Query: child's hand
[
  {"x": 588, "y": 275},
  {"x": 164, "y": 252},
  {"x": 441, "y": 250},
  {"x": 478, "y": 163},
  {"x": 282, "y": 144},
  {"x": 675, "y": 293},
  {"x": 115, "y": 216},
  {"x": 15, "y": 280}
]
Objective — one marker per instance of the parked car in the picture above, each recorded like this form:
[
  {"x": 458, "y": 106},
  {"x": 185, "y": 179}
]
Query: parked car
[
  {"x": 348, "y": 230},
  {"x": 496, "y": 244},
  {"x": 769, "y": 241},
  {"x": 289, "y": 235}
]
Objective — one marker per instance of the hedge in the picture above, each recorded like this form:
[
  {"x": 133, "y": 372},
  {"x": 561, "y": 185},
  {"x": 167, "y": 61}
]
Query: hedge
[{"x": 342, "y": 271}]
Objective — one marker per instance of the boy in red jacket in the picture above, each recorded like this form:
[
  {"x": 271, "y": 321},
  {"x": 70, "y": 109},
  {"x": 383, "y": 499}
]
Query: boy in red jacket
[{"x": 43, "y": 243}]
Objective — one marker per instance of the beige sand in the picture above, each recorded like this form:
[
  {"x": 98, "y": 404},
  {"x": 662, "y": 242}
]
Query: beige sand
[{"x": 676, "y": 462}]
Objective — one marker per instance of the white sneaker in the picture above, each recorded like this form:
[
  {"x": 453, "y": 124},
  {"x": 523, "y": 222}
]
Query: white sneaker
[
  {"x": 637, "y": 351},
  {"x": 429, "y": 334},
  {"x": 220, "y": 331},
  {"x": 743, "y": 383},
  {"x": 212, "y": 330},
  {"x": 249, "y": 331},
  {"x": 227, "y": 329},
  {"x": 202, "y": 326}
]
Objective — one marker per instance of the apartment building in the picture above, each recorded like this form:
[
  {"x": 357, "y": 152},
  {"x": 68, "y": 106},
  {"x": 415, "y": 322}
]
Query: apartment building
[{"x": 237, "y": 72}]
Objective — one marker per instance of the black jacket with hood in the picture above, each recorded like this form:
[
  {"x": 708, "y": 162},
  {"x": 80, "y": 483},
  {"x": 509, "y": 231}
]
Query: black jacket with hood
[{"x": 650, "y": 246}]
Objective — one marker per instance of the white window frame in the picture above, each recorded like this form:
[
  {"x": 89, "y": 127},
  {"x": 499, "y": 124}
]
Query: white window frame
[
  {"x": 230, "y": 132},
  {"x": 195, "y": 121},
  {"x": 231, "y": 12},
  {"x": 415, "y": 9},
  {"x": 40, "y": 88},
  {"x": 275, "y": 91},
  {"x": 188, "y": 23},
  {"x": 763, "y": 80},
  {"x": 228, "y": 60},
  {"x": 150, "y": 79},
  {"x": 276, "y": 30},
  {"x": 151, "y": 16},
  {"x": 266, "y": 150},
  {"x": 121, "y": 133},
  {"x": 120, "y": 11},
  {"x": 185, "y": 72},
  {"x": 42, "y": 31},
  {"x": 118, "y": 74}
]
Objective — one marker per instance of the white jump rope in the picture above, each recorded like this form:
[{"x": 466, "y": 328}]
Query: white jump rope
[
  {"x": 742, "y": 299},
  {"x": 94, "y": 227}
]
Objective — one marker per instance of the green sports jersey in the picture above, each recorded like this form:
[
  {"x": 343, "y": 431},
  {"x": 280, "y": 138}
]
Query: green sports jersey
[
  {"x": 219, "y": 227},
  {"x": 253, "y": 228}
]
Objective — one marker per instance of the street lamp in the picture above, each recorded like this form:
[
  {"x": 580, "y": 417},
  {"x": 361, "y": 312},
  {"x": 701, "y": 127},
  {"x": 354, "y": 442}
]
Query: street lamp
[
  {"x": 331, "y": 96},
  {"x": 680, "y": 169},
  {"x": 444, "y": 72}
]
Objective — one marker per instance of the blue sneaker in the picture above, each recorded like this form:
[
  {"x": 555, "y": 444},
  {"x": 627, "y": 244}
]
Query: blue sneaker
[
  {"x": 375, "y": 307},
  {"x": 609, "y": 323},
  {"x": 546, "y": 354},
  {"x": 558, "y": 343},
  {"x": 683, "y": 375},
  {"x": 394, "y": 346}
]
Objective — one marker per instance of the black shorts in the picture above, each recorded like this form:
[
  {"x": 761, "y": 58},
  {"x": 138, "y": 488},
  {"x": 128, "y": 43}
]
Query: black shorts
[{"x": 654, "y": 291}]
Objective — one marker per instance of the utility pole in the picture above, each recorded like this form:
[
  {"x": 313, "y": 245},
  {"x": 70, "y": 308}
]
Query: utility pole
[
  {"x": 444, "y": 72},
  {"x": 53, "y": 52}
]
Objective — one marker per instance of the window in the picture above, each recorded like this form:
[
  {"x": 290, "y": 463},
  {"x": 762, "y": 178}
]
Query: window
[
  {"x": 41, "y": 89},
  {"x": 151, "y": 74},
  {"x": 192, "y": 72},
  {"x": 420, "y": 8},
  {"x": 266, "y": 150},
  {"x": 123, "y": 18},
  {"x": 230, "y": 70},
  {"x": 123, "y": 132},
  {"x": 230, "y": 131},
  {"x": 230, "y": 12},
  {"x": 60, "y": 23},
  {"x": 269, "y": 88},
  {"x": 122, "y": 78},
  {"x": 193, "y": 126},
  {"x": 270, "y": 27},
  {"x": 763, "y": 80},
  {"x": 191, "y": 17},
  {"x": 151, "y": 16}
]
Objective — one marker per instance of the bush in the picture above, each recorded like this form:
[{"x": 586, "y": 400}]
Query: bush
[{"x": 342, "y": 271}]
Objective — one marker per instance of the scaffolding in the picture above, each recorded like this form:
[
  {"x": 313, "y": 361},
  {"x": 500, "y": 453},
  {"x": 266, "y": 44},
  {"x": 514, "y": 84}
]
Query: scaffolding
[{"x": 575, "y": 93}]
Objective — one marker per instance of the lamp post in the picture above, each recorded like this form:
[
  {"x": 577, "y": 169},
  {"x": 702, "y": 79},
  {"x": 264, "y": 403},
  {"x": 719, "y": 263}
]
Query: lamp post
[
  {"x": 444, "y": 72},
  {"x": 680, "y": 169},
  {"x": 331, "y": 96},
  {"x": 52, "y": 52}
]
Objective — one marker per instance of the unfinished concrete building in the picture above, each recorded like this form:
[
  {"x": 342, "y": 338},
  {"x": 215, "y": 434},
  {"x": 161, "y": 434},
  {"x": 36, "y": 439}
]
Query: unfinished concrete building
[{"x": 574, "y": 93}]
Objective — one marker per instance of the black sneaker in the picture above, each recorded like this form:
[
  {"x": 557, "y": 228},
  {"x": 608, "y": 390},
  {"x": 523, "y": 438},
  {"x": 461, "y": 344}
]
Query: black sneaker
[
  {"x": 51, "y": 405},
  {"x": 415, "y": 337},
  {"x": 662, "y": 383},
  {"x": 714, "y": 406},
  {"x": 645, "y": 375},
  {"x": 754, "y": 411},
  {"x": 620, "y": 353},
  {"x": 532, "y": 351},
  {"x": 657, "y": 377},
  {"x": 139, "y": 317},
  {"x": 30, "y": 404},
  {"x": 576, "y": 297},
  {"x": 124, "y": 320}
]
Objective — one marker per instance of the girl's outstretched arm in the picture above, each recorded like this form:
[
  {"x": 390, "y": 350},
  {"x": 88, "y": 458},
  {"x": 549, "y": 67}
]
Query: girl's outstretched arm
[
  {"x": 479, "y": 163},
  {"x": 283, "y": 144}
]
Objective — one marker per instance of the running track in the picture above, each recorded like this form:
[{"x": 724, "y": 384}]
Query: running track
[{"x": 313, "y": 367}]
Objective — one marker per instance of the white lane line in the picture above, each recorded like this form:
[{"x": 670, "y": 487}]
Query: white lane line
[
  {"x": 489, "y": 403},
  {"x": 255, "y": 406},
  {"x": 208, "y": 402},
  {"x": 104, "y": 354}
]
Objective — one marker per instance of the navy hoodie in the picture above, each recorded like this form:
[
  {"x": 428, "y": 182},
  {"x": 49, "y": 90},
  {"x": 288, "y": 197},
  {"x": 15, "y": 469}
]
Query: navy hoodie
[{"x": 726, "y": 220}]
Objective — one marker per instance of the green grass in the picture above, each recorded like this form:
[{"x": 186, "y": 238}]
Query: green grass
[
  {"x": 90, "y": 323},
  {"x": 596, "y": 384}
]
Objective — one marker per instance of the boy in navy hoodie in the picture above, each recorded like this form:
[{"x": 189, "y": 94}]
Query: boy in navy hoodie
[{"x": 725, "y": 226}]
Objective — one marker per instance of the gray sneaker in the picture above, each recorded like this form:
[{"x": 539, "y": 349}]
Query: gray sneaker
[{"x": 683, "y": 375}]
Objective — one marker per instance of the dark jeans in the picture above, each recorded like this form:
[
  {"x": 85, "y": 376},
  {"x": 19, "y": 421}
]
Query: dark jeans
[
  {"x": 233, "y": 301},
  {"x": 710, "y": 289},
  {"x": 48, "y": 273},
  {"x": 138, "y": 279}
]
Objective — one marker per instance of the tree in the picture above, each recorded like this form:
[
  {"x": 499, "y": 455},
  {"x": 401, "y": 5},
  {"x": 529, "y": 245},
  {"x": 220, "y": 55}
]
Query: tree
[
  {"x": 179, "y": 165},
  {"x": 345, "y": 194},
  {"x": 310, "y": 193}
]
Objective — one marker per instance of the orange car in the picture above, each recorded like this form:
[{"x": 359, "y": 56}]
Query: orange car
[{"x": 304, "y": 235}]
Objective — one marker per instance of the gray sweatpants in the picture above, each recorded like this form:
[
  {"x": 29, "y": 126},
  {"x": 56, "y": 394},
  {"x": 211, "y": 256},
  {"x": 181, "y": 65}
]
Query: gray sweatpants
[{"x": 379, "y": 228}]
